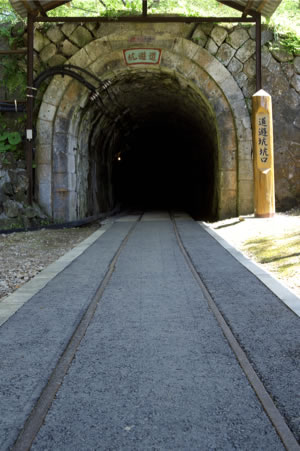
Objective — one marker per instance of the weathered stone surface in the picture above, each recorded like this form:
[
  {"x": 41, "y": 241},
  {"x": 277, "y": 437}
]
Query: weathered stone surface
[
  {"x": 296, "y": 122},
  {"x": 12, "y": 208},
  {"x": 246, "y": 51},
  {"x": 47, "y": 53},
  {"x": 91, "y": 26},
  {"x": 287, "y": 68},
  {"x": 235, "y": 66},
  {"x": 225, "y": 54},
  {"x": 231, "y": 90},
  {"x": 245, "y": 169},
  {"x": 266, "y": 34},
  {"x": 297, "y": 64},
  {"x": 250, "y": 68},
  {"x": 245, "y": 200},
  {"x": 282, "y": 55},
  {"x": 44, "y": 132},
  {"x": 19, "y": 180},
  {"x": 199, "y": 37},
  {"x": 295, "y": 82},
  {"x": 274, "y": 66},
  {"x": 40, "y": 41},
  {"x": 249, "y": 88},
  {"x": 81, "y": 36},
  {"x": 275, "y": 85},
  {"x": 237, "y": 38},
  {"x": 206, "y": 28},
  {"x": 7, "y": 188},
  {"x": 44, "y": 193},
  {"x": 219, "y": 35},
  {"x": 81, "y": 59},
  {"x": 68, "y": 28},
  {"x": 217, "y": 71},
  {"x": 63, "y": 162},
  {"x": 211, "y": 46},
  {"x": 7, "y": 160},
  {"x": 265, "y": 57},
  {"x": 47, "y": 112},
  {"x": 57, "y": 60},
  {"x": 30, "y": 212},
  {"x": 68, "y": 49},
  {"x": 55, "y": 35}
]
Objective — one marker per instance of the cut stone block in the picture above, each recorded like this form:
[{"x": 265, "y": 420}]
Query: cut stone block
[
  {"x": 80, "y": 37},
  {"x": 237, "y": 38},
  {"x": 57, "y": 60},
  {"x": 68, "y": 49},
  {"x": 68, "y": 28},
  {"x": 199, "y": 37},
  {"x": 250, "y": 68},
  {"x": 47, "y": 53},
  {"x": 55, "y": 35},
  {"x": 246, "y": 51},
  {"x": 282, "y": 55},
  {"x": 225, "y": 54},
  {"x": 211, "y": 46},
  {"x": 235, "y": 66},
  {"x": 219, "y": 35}
]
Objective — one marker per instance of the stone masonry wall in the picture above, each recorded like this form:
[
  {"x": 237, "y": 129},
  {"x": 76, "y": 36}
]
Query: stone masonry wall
[{"x": 234, "y": 47}]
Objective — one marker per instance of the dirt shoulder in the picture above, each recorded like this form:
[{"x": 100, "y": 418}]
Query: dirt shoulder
[
  {"x": 23, "y": 255},
  {"x": 273, "y": 243}
]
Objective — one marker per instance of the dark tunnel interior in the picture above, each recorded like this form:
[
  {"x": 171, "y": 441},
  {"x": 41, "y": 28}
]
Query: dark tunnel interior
[
  {"x": 158, "y": 168},
  {"x": 165, "y": 157}
]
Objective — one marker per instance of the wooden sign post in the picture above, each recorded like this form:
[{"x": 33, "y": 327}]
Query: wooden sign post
[{"x": 263, "y": 155}]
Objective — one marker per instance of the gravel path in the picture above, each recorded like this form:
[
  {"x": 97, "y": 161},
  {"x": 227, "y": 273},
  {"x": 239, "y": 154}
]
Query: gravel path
[{"x": 23, "y": 255}]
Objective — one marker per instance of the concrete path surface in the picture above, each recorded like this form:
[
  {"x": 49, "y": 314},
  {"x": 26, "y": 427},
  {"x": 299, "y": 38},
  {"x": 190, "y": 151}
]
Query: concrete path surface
[{"x": 153, "y": 370}]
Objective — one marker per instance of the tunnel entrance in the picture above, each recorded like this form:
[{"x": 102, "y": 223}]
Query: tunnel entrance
[
  {"x": 176, "y": 135},
  {"x": 165, "y": 164},
  {"x": 165, "y": 157}
]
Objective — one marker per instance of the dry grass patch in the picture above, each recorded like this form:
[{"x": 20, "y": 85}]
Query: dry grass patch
[{"x": 272, "y": 243}]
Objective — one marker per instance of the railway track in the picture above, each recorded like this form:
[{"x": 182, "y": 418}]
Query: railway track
[{"x": 56, "y": 380}]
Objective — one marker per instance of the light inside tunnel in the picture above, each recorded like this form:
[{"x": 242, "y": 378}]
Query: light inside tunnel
[{"x": 162, "y": 154}]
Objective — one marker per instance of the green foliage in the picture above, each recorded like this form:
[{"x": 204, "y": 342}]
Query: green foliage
[
  {"x": 14, "y": 76},
  {"x": 291, "y": 43},
  {"x": 13, "y": 73},
  {"x": 9, "y": 141},
  {"x": 7, "y": 13},
  {"x": 285, "y": 19}
]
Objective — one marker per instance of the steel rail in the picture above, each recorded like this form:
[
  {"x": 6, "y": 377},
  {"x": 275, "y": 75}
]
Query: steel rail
[
  {"x": 41, "y": 408},
  {"x": 287, "y": 437}
]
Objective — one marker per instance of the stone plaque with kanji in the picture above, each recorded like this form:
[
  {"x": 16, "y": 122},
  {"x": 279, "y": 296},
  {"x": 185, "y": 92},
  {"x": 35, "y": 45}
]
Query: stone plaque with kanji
[{"x": 142, "y": 56}]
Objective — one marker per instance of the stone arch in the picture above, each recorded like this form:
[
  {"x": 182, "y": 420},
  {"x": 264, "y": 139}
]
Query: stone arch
[{"x": 64, "y": 99}]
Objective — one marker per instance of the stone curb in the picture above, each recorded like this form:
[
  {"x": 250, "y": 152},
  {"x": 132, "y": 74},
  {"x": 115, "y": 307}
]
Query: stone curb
[
  {"x": 13, "y": 302},
  {"x": 278, "y": 288}
]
